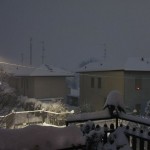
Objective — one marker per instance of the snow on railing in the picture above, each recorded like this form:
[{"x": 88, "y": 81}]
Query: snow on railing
[
  {"x": 24, "y": 118},
  {"x": 136, "y": 128}
]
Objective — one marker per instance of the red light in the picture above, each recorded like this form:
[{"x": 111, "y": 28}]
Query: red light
[{"x": 137, "y": 88}]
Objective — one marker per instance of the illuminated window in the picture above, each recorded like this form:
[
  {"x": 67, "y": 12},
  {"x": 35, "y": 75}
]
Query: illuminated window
[
  {"x": 92, "y": 82},
  {"x": 138, "y": 84}
]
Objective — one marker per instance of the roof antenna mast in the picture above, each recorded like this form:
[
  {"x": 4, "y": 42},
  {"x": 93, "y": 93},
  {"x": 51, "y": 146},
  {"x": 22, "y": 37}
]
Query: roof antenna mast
[
  {"x": 22, "y": 58},
  {"x": 30, "y": 51},
  {"x": 43, "y": 51},
  {"x": 105, "y": 53}
]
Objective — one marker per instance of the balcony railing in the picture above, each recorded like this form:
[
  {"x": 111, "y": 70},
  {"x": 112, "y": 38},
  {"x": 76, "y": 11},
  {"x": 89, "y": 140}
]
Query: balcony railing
[{"x": 136, "y": 128}]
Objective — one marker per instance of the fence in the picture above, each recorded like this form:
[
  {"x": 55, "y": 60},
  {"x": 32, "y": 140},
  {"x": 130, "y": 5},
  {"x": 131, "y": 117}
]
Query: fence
[
  {"x": 137, "y": 129},
  {"x": 24, "y": 118}
]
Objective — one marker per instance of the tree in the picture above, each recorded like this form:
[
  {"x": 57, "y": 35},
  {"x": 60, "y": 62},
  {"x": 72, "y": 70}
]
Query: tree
[
  {"x": 147, "y": 109},
  {"x": 8, "y": 97}
]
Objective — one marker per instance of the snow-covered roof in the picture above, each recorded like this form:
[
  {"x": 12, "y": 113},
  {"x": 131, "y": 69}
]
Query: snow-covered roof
[
  {"x": 137, "y": 64},
  {"x": 132, "y": 64},
  {"x": 43, "y": 70}
]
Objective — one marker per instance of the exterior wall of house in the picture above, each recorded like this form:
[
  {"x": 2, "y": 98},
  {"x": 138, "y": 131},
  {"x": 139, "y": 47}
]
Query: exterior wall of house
[
  {"x": 137, "y": 93},
  {"x": 50, "y": 87},
  {"x": 42, "y": 87},
  {"x": 24, "y": 85},
  {"x": 93, "y": 97}
]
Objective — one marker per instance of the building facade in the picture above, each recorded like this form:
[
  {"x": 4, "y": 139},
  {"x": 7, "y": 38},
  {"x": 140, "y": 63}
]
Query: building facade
[
  {"x": 42, "y": 82},
  {"x": 132, "y": 82}
]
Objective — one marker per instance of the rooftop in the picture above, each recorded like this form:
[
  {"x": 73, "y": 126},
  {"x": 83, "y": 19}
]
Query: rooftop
[
  {"x": 132, "y": 64},
  {"x": 43, "y": 70}
]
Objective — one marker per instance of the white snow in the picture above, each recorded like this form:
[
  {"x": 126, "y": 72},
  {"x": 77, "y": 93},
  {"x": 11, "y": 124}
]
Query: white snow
[
  {"x": 89, "y": 116},
  {"x": 42, "y": 137},
  {"x": 119, "y": 139},
  {"x": 43, "y": 70},
  {"x": 132, "y": 63},
  {"x": 101, "y": 66},
  {"x": 140, "y": 119},
  {"x": 114, "y": 98},
  {"x": 137, "y": 64}
]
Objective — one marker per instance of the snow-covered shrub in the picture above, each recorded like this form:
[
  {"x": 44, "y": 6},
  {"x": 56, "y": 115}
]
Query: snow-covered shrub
[
  {"x": 96, "y": 138},
  {"x": 147, "y": 109},
  {"x": 56, "y": 106},
  {"x": 114, "y": 103},
  {"x": 94, "y": 135},
  {"x": 8, "y": 97},
  {"x": 87, "y": 127},
  {"x": 117, "y": 140},
  {"x": 30, "y": 104}
]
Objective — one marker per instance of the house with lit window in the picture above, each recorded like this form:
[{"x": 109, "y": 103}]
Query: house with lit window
[
  {"x": 132, "y": 80},
  {"x": 45, "y": 82}
]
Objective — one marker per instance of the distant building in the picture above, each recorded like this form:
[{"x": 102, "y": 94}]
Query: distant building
[
  {"x": 73, "y": 97},
  {"x": 44, "y": 82},
  {"x": 132, "y": 80}
]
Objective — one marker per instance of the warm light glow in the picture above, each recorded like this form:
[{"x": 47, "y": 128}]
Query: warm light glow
[{"x": 137, "y": 88}]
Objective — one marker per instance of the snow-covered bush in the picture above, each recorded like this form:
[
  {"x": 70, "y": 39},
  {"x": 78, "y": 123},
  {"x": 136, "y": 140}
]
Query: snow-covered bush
[
  {"x": 87, "y": 127},
  {"x": 93, "y": 134},
  {"x": 56, "y": 106},
  {"x": 147, "y": 109},
  {"x": 114, "y": 103},
  {"x": 97, "y": 138},
  {"x": 117, "y": 140},
  {"x": 30, "y": 104},
  {"x": 8, "y": 97}
]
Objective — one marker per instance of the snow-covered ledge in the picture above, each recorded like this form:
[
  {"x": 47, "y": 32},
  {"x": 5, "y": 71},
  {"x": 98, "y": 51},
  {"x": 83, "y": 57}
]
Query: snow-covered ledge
[{"x": 136, "y": 119}]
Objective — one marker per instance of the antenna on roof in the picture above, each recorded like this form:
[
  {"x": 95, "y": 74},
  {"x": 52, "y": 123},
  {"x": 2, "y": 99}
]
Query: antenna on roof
[
  {"x": 43, "y": 51},
  {"x": 30, "y": 51},
  {"x": 105, "y": 53},
  {"x": 22, "y": 58},
  {"x": 105, "y": 50}
]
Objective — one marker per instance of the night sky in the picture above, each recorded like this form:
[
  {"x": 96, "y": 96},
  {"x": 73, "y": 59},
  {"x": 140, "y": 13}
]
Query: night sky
[{"x": 73, "y": 30}]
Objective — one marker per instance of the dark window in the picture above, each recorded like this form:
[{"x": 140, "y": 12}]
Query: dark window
[
  {"x": 27, "y": 83},
  {"x": 92, "y": 82},
  {"x": 22, "y": 83},
  {"x": 138, "y": 84},
  {"x": 99, "y": 83}
]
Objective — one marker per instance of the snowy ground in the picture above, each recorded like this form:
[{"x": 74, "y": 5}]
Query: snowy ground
[{"x": 40, "y": 137}]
